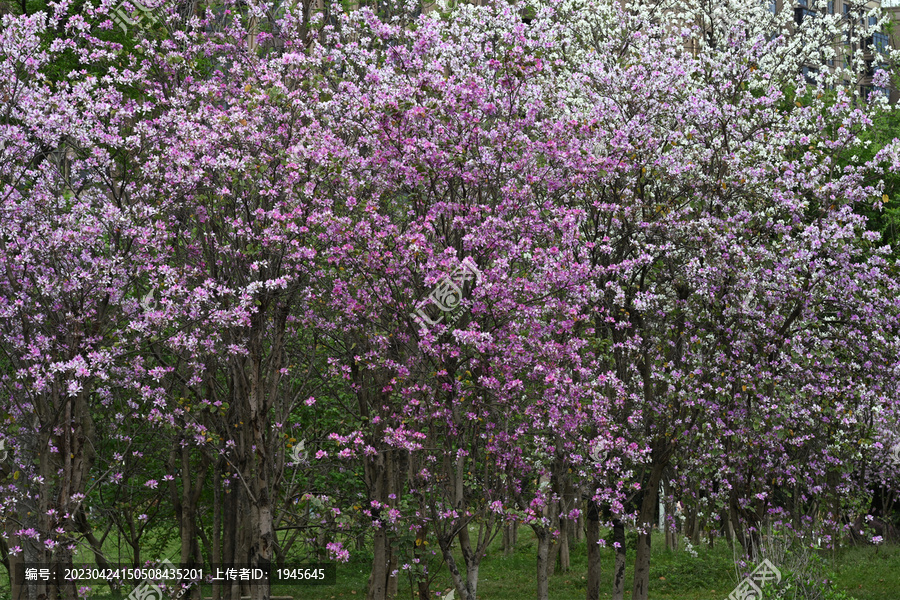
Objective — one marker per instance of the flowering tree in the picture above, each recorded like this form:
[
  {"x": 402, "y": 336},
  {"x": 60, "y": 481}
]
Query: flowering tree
[
  {"x": 723, "y": 288},
  {"x": 231, "y": 228},
  {"x": 73, "y": 246}
]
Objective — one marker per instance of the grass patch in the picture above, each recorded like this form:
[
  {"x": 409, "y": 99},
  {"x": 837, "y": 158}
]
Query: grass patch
[{"x": 862, "y": 573}]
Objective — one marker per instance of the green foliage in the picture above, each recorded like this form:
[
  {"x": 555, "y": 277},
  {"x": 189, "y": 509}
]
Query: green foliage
[
  {"x": 631, "y": 538},
  {"x": 795, "y": 586},
  {"x": 884, "y": 213}
]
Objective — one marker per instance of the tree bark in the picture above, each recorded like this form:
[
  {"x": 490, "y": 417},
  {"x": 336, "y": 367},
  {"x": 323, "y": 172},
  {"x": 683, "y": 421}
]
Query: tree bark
[
  {"x": 510, "y": 534},
  {"x": 460, "y": 583},
  {"x": 543, "y": 563},
  {"x": 261, "y": 374},
  {"x": 592, "y": 534},
  {"x": 96, "y": 545},
  {"x": 619, "y": 569},
  {"x": 378, "y": 471},
  {"x": 218, "y": 507},
  {"x": 471, "y": 561},
  {"x": 642, "y": 560}
]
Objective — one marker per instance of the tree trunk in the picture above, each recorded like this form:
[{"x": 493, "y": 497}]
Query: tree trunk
[
  {"x": 17, "y": 586},
  {"x": 543, "y": 563},
  {"x": 96, "y": 545},
  {"x": 564, "y": 558},
  {"x": 592, "y": 534},
  {"x": 423, "y": 581},
  {"x": 378, "y": 577},
  {"x": 242, "y": 588},
  {"x": 554, "y": 541},
  {"x": 460, "y": 583},
  {"x": 642, "y": 560},
  {"x": 262, "y": 532},
  {"x": 619, "y": 569},
  {"x": 186, "y": 510},
  {"x": 378, "y": 473},
  {"x": 566, "y": 526},
  {"x": 471, "y": 561},
  {"x": 510, "y": 533},
  {"x": 218, "y": 507},
  {"x": 261, "y": 374},
  {"x": 230, "y": 532}
]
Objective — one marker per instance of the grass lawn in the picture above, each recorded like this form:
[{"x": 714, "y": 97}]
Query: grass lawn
[{"x": 863, "y": 573}]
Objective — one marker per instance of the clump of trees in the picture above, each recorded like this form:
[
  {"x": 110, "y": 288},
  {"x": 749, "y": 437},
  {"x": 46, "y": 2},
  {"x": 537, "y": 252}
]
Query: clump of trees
[{"x": 649, "y": 263}]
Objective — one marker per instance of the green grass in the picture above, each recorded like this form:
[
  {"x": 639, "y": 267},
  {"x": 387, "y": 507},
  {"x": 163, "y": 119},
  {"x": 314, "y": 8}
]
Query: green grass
[
  {"x": 867, "y": 574},
  {"x": 863, "y": 573},
  {"x": 860, "y": 572}
]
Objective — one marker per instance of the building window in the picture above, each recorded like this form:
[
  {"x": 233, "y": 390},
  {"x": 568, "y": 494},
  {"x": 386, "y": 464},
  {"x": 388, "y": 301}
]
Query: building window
[
  {"x": 830, "y": 7},
  {"x": 803, "y": 13},
  {"x": 881, "y": 42},
  {"x": 809, "y": 74}
]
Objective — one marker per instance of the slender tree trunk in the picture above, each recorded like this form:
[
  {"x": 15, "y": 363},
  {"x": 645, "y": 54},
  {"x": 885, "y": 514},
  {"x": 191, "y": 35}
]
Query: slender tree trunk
[
  {"x": 670, "y": 524},
  {"x": 510, "y": 534},
  {"x": 592, "y": 534},
  {"x": 579, "y": 529},
  {"x": 543, "y": 563},
  {"x": 554, "y": 542},
  {"x": 397, "y": 467},
  {"x": 668, "y": 517},
  {"x": 263, "y": 374},
  {"x": 16, "y": 586},
  {"x": 378, "y": 577},
  {"x": 231, "y": 517},
  {"x": 619, "y": 569},
  {"x": 572, "y": 496},
  {"x": 262, "y": 533},
  {"x": 217, "y": 524},
  {"x": 471, "y": 561},
  {"x": 83, "y": 527},
  {"x": 423, "y": 582},
  {"x": 378, "y": 473},
  {"x": 642, "y": 560},
  {"x": 460, "y": 583},
  {"x": 563, "y": 489},
  {"x": 564, "y": 557},
  {"x": 506, "y": 545}
]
